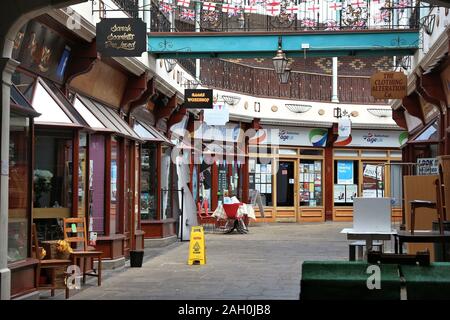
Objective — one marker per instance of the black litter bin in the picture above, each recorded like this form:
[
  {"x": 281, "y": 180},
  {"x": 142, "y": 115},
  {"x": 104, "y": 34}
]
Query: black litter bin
[
  {"x": 438, "y": 254},
  {"x": 136, "y": 257}
]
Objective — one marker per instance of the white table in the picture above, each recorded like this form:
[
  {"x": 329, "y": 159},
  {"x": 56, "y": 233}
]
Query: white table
[
  {"x": 368, "y": 236},
  {"x": 244, "y": 209}
]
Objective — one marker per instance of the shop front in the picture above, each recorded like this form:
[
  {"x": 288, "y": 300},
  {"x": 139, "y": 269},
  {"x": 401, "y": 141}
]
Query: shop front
[
  {"x": 157, "y": 214},
  {"x": 20, "y": 261},
  {"x": 286, "y": 167},
  {"x": 367, "y": 164}
]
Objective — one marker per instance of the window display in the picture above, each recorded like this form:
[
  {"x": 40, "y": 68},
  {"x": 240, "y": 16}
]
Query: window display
[
  {"x": 373, "y": 180},
  {"x": 260, "y": 178},
  {"x": 18, "y": 211},
  {"x": 114, "y": 203},
  {"x": 82, "y": 175},
  {"x": 345, "y": 182},
  {"x": 149, "y": 184},
  {"x": 310, "y": 179}
]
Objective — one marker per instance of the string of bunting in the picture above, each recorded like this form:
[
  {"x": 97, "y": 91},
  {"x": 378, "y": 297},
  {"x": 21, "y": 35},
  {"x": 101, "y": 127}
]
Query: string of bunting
[{"x": 308, "y": 9}]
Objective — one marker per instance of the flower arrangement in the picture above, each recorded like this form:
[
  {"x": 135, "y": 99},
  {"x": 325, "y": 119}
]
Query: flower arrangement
[
  {"x": 42, "y": 253},
  {"x": 63, "y": 249},
  {"x": 42, "y": 183}
]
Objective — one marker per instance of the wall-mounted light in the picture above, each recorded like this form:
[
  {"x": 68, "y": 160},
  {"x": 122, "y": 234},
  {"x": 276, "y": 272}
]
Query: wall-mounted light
[
  {"x": 231, "y": 100},
  {"x": 279, "y": 61}
]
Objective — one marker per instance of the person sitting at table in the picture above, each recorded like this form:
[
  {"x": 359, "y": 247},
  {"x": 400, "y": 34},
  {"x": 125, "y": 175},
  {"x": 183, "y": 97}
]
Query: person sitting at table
[{"x": 226, "y": 198}]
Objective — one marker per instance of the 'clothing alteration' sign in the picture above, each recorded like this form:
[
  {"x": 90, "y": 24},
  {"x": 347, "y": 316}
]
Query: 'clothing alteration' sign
[
  {"x": 121, "y": 37},
  {"x": 388, "y": 85}
]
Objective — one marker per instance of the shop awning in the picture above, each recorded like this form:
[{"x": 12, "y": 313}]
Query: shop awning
[
  {"x": 54, "y": 108},
  {"x": 149, "y": 133},
  {"x": 102, "y": 118},
  {"x": 21, "y": 105},
  {"x": 428, "y": 134}
]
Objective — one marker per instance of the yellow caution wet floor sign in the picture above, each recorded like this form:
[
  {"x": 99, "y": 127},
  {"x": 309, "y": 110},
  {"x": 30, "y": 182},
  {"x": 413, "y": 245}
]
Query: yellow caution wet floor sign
[{"x": 197, "y": 248}]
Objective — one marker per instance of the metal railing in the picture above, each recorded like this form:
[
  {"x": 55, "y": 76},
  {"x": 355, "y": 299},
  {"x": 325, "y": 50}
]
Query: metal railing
[{"x": 298, "y": 15}]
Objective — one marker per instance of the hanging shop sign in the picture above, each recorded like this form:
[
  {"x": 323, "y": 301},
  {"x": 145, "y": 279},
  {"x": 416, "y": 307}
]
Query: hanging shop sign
[
  {"x": 121, "y": 37},
  {"x": 388, "y": 85},
  {"x": 344, "y": 127},
  {"x": 198, "y": 98}
]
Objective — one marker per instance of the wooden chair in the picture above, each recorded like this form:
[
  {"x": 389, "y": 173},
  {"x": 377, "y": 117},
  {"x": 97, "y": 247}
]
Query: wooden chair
[
  {"x": 85, "y": 252},
  {"x": 48, "y": 264}
]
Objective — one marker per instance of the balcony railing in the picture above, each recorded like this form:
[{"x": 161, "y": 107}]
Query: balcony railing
[
  {"x": 297, "y": 15},
  {"x": 131, "y": 7},
  {"x": 262, "y": 82}
]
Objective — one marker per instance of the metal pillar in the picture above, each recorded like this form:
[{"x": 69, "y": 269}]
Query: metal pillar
[{"x": 334, "y": 95}]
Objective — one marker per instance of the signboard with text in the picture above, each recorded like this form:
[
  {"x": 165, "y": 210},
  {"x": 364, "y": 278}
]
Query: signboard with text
[
  {"x": 198, "y": 98},
  {"x": 121, "y": 37},
  {"x": 388, "y": 85}
]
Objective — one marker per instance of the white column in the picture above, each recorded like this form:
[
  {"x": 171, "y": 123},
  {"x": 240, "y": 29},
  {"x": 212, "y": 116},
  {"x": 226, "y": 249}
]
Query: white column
[
  {"x": 147, "y": 14},
  {"x": 7, "y": 66},
  {"x": 334, "y": 94},
  {"x": 197, "y": 29}
]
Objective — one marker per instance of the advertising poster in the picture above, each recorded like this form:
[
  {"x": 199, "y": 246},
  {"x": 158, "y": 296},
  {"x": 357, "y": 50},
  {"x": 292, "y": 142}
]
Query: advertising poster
[
  {"x": 339, "y": 193},
  {"x": 345, "y": 172},
  {"x": 351, "y": 192}
]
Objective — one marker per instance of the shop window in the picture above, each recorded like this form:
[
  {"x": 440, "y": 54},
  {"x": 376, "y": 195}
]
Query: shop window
[
  {"x": 373, "y": 180},
  {"x": 287, "y": 151},
  {"x": 396, "y": 154},
  {"x": 166, "y": 182},
  {"x": 115, "y": 199},
  {"x": 205, "y": 185},
  {"x": 149, "y": 185},
  {"x": 53, "y": 171},
  {"x": 97, "y": 181},
  {"x": 373, "y": 154},
  {"x": 82, "y": 166},
  {"x": 260, "y": 178},
  {"x": 311, "y": 152},
  {"x": 18, "y": 191},
  {"x": 223, "y": 187},
  {"x": 236, "y": 180},
  {"x": 24, "y": 83},
  {"x": 345, "y": 182},
  {"x": 310, "y": 179},
  {"x": 346, "y": 153}
]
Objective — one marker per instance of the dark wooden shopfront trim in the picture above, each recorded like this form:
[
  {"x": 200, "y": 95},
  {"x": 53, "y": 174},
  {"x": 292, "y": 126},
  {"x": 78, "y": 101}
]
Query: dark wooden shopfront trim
[
  {"x": 23, "y": 277},
  {"x": 412, "y": 105},
  {"x": 155, "y": 229}
]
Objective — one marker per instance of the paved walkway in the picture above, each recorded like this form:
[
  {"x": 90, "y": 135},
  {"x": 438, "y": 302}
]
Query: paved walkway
[{"x": 264, "y": 264}]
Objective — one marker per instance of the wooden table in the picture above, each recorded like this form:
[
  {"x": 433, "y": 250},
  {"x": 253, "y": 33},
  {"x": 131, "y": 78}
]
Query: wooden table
[
  {"x": 421, "y": 237},
  {"x": 368, "y": 236}
]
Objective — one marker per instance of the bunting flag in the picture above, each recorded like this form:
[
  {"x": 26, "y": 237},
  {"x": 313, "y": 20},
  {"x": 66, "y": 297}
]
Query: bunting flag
[
  {"x": 382, "y": 16},
  {"x": 187, "y": 14},
  {"x": 359, "y": 24},
  {"x": 167, "y": 8},
  {"x": 209, "y": 6},
  {"x": 250, "y": 9},
  {"x": 234, "y": 11},
  {"x": 273, "y": 9},
  {"x": 183, "y": 3},
  {"x": 359, "y": 3},
  {"x": 292, "y": 10},
  {"x": 335, "y": 6},
  {"x": 227, "y": 7},
  {"x": 403, "y": 4}
]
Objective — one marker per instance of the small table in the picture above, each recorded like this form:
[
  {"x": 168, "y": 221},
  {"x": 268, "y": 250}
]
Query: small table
[
  {"x": 421, "y": 237},
  {"x": 368, "y": 236}
]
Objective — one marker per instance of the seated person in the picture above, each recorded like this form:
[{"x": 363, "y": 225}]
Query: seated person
[{"x": 226, "y": 198}]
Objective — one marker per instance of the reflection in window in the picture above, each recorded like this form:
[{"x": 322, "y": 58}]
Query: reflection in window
[
  {"x": 24, "y": 83},
  {"x": 396, "y": 185},
  {"x": 18, "y": 188},
  {"x": 149, "y": 183},
  {"x": 373, "y": 180}
]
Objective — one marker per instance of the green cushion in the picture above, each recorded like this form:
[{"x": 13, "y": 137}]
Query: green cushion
[
  {"x": 432, "y": 282},
  {"x": 342, "y": 280}
]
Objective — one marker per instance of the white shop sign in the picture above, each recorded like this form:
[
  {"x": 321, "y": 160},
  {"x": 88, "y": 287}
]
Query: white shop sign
[
  {"x": 371, "y": 139},
  {"x": 291, "y": 136},
  {"x": 427, "y": 166}
]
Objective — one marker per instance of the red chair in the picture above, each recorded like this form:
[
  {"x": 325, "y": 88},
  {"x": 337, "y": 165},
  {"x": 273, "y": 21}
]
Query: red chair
[
  {"x": 231, "y": 210},
  {"x": 204, "y": 218}
]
